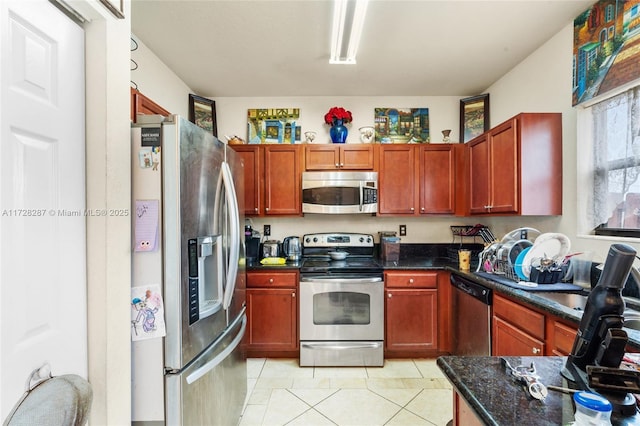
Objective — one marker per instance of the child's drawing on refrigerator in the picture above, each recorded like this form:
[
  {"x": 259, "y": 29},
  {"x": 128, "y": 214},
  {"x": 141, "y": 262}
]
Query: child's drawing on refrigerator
[{"x": 147, "y": 313}]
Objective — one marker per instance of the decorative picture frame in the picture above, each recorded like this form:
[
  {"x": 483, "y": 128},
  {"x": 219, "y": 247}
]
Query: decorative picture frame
[
  {"x": 474, "y": 117},
  {"x": 401, "y": 125},
  {"x": 273, "y": 125},
  {"x": 202, "y": 112},
  {"x": 604, "y": 54}
]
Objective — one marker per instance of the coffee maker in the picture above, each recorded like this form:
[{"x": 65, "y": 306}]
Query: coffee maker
[{"x": 600, "y": 342}]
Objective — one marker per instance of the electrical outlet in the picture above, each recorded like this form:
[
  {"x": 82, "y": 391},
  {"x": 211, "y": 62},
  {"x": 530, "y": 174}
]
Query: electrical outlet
[
  {"x": 267, "y": 230},
  {"x": 403, "y": 230}
]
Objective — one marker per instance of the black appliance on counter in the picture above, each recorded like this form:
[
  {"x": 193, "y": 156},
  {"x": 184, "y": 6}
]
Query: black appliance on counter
[
  {"x": 600, "y": 342},
  {"x": 341, "y": 301}
]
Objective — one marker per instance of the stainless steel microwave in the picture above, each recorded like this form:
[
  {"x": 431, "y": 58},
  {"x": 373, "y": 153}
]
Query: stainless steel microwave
[{"x": 340, "y": 192}]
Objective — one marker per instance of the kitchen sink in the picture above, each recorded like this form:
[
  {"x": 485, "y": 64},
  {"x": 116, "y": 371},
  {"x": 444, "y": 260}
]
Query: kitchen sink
[
  {"x": 578, "y": 302},
  {"x": 575, "y": 301}
]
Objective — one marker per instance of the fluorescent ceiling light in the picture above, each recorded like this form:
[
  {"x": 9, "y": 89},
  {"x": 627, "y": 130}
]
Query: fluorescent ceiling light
[{"x": 348, "y": 21}]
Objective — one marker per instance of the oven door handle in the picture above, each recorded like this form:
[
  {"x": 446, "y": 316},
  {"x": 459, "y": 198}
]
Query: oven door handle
[
  {"x": 341, "y": 346},
  {"x": 341, "y": 280}
]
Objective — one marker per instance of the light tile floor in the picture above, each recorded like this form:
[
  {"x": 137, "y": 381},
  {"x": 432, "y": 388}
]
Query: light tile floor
[{"x": 403, "y": 392}]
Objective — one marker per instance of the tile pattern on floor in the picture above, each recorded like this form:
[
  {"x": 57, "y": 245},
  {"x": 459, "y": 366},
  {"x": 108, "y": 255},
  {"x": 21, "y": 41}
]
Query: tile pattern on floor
[{"x": 403, "y": 392}]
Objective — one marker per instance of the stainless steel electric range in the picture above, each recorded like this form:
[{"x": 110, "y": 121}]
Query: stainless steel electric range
[{"x": 341, "y": 302}]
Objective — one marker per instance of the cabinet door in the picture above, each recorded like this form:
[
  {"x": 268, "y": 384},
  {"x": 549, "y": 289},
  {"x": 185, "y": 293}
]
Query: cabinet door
[
  {"x": 479, "y": 175},
  {"x": 437, "y": 179},
  {"x": 561, "y": 338},
  {"x": 140, "y": 104},
  {"x": 282, "y": 180},
  {"x": 509, "y": 340},
  {"x": 356, "y": 157},
  {"x": 322, "y": 157},
  {"x": 504, "y": 168},
  {"x": 397, "y": 180},
  {"x": 463, "y": 415},
  {"x": 251, "y": 155},
  {"x": 411, "y": 320},
  {"x": 272, "y": 319}
]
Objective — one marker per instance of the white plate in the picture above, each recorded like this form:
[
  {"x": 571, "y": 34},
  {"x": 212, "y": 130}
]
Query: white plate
[{"x": 551, "y": 245}]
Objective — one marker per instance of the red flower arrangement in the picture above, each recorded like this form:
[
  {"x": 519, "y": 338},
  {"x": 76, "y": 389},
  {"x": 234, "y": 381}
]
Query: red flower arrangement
[{"x": 338, "y": 113}]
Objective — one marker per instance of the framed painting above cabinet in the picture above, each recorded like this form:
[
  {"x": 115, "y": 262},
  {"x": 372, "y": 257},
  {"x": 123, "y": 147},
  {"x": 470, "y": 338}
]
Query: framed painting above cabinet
[{"x": 474, "y": 117}]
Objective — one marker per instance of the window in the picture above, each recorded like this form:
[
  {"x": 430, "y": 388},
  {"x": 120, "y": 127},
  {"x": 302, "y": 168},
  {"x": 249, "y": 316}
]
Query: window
[
  {"x": 616, "y": 165},
  {"x": 608, "y": 13}
]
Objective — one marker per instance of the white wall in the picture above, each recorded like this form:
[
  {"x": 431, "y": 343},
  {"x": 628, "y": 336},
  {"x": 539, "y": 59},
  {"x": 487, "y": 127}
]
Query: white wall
[
  {"x": 542, "y": 83},
  {"x": 443, "y": 114},
  {"x": 156, "y": 81}
]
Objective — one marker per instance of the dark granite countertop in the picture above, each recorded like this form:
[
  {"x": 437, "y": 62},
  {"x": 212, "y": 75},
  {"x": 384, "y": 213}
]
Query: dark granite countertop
[
  {"x": 434, "y": 256},
  {"x": 498, "y": 400},
  {"x": 539, "y": 301}
]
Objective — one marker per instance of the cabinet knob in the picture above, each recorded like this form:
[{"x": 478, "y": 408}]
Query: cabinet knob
[
  {"x": 536, "y": 350},
  {"x": 266, "y": 209},
  {"x": 410, "y": 280},
  {"x": 389, "y": 295},
  {"x": 341, "y": 164},
  {"x": 256, "y": 209},
  {"x": 293, "y": 295},
  {"x": 421, "y": 209},
  {"x": 337, "y": 165},
  {"x": 412, "y": 209},
  {"x": 270, "y": 280}
]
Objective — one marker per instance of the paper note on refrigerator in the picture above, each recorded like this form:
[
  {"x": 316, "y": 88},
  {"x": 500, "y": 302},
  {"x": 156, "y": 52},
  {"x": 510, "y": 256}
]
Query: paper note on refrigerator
[
  {"x": 146, "y": 225},
  {"x": 147, "y": 312}
]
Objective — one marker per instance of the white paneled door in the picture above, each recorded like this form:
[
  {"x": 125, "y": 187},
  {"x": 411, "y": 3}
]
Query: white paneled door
[{"x": 43, "y": 304}]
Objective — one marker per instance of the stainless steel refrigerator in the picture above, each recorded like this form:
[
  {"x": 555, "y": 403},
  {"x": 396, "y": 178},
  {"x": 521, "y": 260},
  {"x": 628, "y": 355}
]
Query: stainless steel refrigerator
[{"x": 196, "y": 374}]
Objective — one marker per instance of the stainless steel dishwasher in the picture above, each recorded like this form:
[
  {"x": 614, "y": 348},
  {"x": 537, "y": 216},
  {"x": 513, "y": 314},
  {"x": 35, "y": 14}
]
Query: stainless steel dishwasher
[{"x": 471, "y": 316}]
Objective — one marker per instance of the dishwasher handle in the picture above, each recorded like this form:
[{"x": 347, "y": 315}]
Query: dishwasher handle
[{"x": 473, "y": 289}]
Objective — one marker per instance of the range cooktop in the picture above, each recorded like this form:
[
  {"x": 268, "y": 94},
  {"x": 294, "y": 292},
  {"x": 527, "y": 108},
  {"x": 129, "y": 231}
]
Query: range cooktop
[{"x": 360, "y": 250}]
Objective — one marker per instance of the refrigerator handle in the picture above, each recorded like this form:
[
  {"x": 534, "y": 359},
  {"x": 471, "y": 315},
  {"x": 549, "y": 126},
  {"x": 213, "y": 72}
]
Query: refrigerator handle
[
  {"x": 225, "y": 353},
  {"x": 234, "y": 230}
]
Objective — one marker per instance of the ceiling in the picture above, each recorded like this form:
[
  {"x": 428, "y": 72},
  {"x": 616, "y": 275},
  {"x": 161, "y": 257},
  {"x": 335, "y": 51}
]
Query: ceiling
[{"x": 408, "y": 48}]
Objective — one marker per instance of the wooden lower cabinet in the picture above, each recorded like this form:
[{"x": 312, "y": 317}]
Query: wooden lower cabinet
[
  {"x": 520, "y": 330},
  {"x": 561, "y": 337},
  {"x": 516, "y": 329},
  {"x": 415, "y": 322},
  {"x": 412, "y": 320},
  {"x": 509, "y": 340},
  {"x": 463, "y": 415},
  {"x": 272, "y": 311}
]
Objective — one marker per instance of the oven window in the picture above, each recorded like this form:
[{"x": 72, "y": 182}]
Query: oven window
[
  {"x": 332, "y": 196},
  {"x": 341, "y": 307}
]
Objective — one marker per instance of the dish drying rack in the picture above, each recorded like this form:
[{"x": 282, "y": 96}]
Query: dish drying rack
[{"x": 468, "y": 231}]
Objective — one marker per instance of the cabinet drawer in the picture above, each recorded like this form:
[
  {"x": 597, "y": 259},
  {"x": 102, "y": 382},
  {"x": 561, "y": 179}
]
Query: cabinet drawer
[
  {"x": 563, "y": 338},
  {"x": 411, "y": 279},
  {"x": 272, "y": 279},
  {"x": 526, "y": 319}
]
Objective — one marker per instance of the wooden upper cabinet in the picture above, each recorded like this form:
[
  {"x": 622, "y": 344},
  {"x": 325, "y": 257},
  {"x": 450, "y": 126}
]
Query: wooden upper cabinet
[
  {"x": 416, "y": 179},
  {"x": 283, "y": 179},
  {"x": 272, "y": 179},
  {"x": 338, "y": 157},
  {"x": 516, "y": 167},
  {"x": 438, "y": 178},
  {"x": 252, "y": 155},
  {"x": 397, "y": 180},
  {"x": 140, "y": 104}
]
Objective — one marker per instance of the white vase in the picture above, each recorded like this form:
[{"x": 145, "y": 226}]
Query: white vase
[{"x": 367, "y": 134}]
